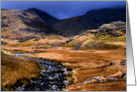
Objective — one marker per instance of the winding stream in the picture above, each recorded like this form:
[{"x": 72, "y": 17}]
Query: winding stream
[{"x": 52, "y": 76}]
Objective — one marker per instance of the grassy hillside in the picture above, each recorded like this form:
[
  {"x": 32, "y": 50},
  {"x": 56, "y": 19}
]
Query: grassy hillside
[
  {"x": 107, "y": 36},
  {"x": 16, "y": 71}
]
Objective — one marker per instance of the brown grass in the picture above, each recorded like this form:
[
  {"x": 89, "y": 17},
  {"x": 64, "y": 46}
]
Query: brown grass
[
  {"x": 85, "y": 64},
  {"x": 88, "y": 64},
  {"x": 16, "y": 71},
  {"x": 110, "y": 86}
]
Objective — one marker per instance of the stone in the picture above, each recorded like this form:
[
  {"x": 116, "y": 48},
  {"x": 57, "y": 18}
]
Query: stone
[
  {"x": 101, "y": 81},
  {"x": 54, "y": 87},
  {"x": 98, "y": 77},
  {"x": 112, "y": 79},
  {"x": 51, "y": 78},
  {"x": 87, "y": 80},
  {"x": 112, "y": 63},
  {"x": 43, "y": 70},
  {"x": 123, "y": 62},
  {"x": 41, "y": 84},
  {"x": 92, "y": 79},
  {"x": 123, "y": 75},
  {"x": 65, "y": 82}
]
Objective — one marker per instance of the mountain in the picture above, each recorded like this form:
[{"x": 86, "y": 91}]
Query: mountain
[
  {"x": 20, "y": 23},
  {"x": 91, "y": 20},
  {"x": 43, "y": 15},
  {"x": 34, "y": 22}
]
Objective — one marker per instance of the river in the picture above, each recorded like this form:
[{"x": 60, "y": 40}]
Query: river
[{"x": 52, "y": 76}]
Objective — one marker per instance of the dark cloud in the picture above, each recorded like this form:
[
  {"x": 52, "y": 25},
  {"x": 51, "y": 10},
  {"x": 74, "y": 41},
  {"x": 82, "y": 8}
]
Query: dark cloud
[{"x": 62, "y": 9}]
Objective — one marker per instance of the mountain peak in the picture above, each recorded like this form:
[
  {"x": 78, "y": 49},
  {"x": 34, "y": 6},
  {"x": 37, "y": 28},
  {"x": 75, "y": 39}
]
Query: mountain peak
[
  {"x": 40, "y": 12},
  {"x": 34, "y": 10},
  {"x": 43, "y": 15}
]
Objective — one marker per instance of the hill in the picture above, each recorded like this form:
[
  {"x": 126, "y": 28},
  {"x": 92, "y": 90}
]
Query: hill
[{"x": 104, "y": 37}]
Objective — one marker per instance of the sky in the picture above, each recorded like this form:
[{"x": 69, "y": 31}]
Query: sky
[{"x": 62, "y": 9}]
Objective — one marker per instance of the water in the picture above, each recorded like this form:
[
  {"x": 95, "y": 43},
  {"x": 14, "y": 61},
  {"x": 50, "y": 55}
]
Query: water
[{"x": 52, "y": 77}]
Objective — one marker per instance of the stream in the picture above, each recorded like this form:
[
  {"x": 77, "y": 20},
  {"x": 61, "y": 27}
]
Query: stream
[{"x": 52, "y": 76}]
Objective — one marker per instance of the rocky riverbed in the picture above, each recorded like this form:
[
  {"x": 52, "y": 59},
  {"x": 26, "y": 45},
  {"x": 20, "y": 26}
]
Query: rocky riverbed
[{"x": 52, "y": 77}]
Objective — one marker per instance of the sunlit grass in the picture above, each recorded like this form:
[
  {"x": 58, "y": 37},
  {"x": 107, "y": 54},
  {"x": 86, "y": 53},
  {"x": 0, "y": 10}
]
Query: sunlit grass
[
  {"x": 25, "y": 44},
  {"x": 16, "y": 71}
]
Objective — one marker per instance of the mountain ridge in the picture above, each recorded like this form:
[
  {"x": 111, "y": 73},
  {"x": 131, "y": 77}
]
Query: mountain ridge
[
  {"x": 38, "y": 21},
  {"x": 92, "y": 20},
  {"x": 41, "y": 14}
]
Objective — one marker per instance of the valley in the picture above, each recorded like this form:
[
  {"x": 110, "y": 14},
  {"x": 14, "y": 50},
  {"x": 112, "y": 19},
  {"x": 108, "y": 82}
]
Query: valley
[{"x": 95, "y": 56}]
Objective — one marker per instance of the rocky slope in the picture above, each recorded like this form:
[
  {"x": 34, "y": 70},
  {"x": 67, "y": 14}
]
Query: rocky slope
[{"x": 19, "y": 23}]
